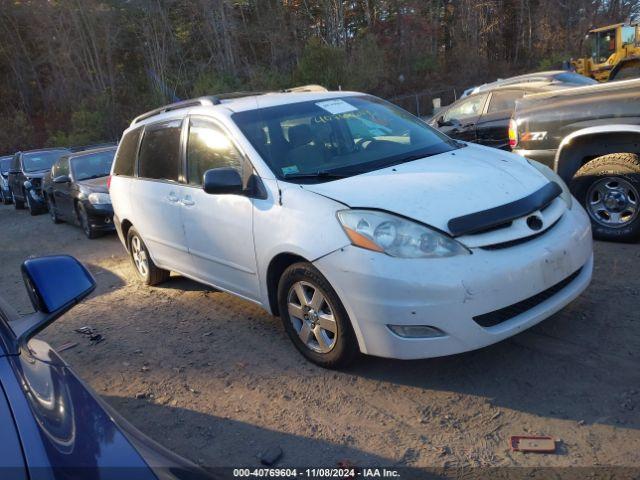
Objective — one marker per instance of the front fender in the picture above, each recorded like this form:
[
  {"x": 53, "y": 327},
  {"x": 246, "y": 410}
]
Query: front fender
[{"x": 593, "y": 142}]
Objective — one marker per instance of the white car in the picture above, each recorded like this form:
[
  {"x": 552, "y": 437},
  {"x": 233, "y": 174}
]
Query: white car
[{"x": 362, "y": 227}]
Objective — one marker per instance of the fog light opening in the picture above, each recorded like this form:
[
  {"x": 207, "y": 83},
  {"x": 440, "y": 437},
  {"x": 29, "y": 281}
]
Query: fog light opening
[{"x": 416, "y": 331}]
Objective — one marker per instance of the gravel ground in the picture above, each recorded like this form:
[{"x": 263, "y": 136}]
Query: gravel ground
[{"x": 214, "y": 378}]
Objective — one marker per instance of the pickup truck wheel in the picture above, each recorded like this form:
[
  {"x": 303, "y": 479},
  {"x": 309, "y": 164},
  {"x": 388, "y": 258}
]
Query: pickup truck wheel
[
  {"x": 314, "y": 318},
  {"x": 17, "y": 204},
  {"x": 609, "y": 189},
  {"x": 147, "y": 271}
]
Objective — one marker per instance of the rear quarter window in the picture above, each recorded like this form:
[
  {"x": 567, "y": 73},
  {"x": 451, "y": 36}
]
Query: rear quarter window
[
  {"x": 126, "y": 158},
  {"x": 159, "y": 156}
]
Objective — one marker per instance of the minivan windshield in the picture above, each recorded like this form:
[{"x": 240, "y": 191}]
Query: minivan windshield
[
  {"x": 5, "y": 164},
  {"x": 36, "y": 161},
  {"x": 93, "y": 165},
  {"x": 324, "y": 139}
]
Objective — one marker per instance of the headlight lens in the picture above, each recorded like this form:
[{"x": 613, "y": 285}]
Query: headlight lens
[
  {"x": 553, "y": 177},
  {"x": 99, "y": 199},
  {"x": 396, "y": 236}
]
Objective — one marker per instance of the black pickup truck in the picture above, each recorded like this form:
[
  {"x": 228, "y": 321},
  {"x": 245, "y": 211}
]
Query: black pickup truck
[{"x": 591, "y": 137}]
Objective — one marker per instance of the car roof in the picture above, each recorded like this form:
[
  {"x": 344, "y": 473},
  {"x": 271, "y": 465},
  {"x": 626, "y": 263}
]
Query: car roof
[
  {"x": 246, "y": 102},
  {"x": 91, "y": 151},
  {"x": 38, "y": 150}
]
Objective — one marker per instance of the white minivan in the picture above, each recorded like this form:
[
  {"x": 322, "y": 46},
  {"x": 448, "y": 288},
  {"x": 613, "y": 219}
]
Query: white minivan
[{"x": 363, "y": 228}]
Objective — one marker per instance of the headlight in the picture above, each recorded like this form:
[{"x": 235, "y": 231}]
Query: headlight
[
  {"x": 396, "y": 236},
  {"x": 99, "y": 199},
  {"x": 553, "y": 177}
]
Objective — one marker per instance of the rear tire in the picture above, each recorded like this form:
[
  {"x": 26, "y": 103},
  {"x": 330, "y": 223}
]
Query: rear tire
[
  {"x": 146, "y": 270},
  {"x": 609, "y": 189},
  {"x": 314, "y": 318}
]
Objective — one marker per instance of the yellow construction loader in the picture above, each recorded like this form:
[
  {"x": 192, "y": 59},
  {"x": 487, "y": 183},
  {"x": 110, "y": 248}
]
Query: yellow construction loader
[{"x": 614, "y": 53}]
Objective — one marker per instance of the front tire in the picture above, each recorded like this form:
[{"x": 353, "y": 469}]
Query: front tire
[
  {"x": 52, "y": 211},
  {"x": 314, "y": 318},
  {"x": 33, "y": 211},
  {"x": 147, "y": 271},
  {"x": 85, "y": 223},
  {"x": 17, "y": 204},
  {"x": 609, "y": 189}
]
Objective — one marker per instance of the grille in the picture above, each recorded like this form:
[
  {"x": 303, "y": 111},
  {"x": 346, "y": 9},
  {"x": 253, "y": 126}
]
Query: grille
[
  {"x": 496, "y": 317},
  {"x": 518, "y": 241}
]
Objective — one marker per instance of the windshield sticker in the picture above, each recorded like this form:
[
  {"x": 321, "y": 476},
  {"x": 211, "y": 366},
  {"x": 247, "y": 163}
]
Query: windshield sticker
[
  {"x": 289, "y": 170},
  {"x": 335, "y": 107}
]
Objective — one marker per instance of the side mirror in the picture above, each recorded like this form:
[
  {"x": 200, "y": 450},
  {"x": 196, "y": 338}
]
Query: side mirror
[
  {"x": 54, "y": 284},
  {"x": 62, "y": 179},
  {"x": 28, "y": 185},
  {"x": 223, "y": 180}
]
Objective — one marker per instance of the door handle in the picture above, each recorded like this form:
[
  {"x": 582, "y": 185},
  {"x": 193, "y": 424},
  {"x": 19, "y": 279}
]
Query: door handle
[
  {"x": 173, "y": 198},
  {"x": 187, "y": 202}
]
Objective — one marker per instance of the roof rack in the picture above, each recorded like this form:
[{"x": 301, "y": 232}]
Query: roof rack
[{"x": 211, "y": 100}]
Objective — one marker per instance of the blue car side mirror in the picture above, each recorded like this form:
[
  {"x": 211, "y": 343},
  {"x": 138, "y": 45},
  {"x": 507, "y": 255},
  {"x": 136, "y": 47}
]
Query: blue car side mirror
[{"x": 55, "y": 284}]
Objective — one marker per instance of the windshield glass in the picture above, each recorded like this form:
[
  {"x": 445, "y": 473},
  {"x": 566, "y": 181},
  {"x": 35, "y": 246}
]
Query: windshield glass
[
  {"x": 603, "y": 45},
  {"x": 341, "y": 136},
  {"x": 36, "y": 161},
  {"x": 93, "y": 165},
  {"x": 5, "y": 164}
]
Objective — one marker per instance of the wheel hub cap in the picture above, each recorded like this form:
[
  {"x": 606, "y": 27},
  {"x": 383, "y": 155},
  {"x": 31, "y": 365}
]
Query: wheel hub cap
[
  {"x": 612, "y": 202},
  {"x": 312, "y": 317}
]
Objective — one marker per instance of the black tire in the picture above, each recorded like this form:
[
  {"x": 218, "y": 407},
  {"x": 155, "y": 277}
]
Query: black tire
[
  {"x": 345, "y": 346},
  {"x": 618, "y": 174},
  {"x": 33, "y": 210},
  {"x": 628, "y": 72},
  {"x": 154, "y": 275},
  {"x": 85, "y": 224},
  {"x": 17, "y": 204},
  {"x": 52, "y": 211}
]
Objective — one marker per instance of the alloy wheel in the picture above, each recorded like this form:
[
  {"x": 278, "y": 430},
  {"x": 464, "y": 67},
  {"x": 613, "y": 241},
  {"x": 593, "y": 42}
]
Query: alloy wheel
[
  {"x": 312, "y": 317},
  {"x": 139, "y": 256},
  {"x": 612, "y": 202}
]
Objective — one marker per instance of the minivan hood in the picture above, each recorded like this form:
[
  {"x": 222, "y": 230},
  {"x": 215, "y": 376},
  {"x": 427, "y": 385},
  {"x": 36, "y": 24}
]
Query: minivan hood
[{"x": 435, "y": 189}]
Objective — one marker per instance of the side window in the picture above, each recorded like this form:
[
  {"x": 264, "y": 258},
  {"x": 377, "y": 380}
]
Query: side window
[
  {"x": 504, "y": 100},
  {"x": 469, "y": 108},
  {"x": 63, "y": 167},
  {"x": 209, "y": 147},
  {"x": 159, "y": 157},
  {"x": 126, "y": 159}
]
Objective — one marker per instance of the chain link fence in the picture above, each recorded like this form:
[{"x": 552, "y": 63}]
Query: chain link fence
[{"x": 422, "y": 104}]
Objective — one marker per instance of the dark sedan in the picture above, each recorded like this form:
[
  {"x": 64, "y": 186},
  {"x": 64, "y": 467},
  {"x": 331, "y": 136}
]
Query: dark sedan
[
  {"x": 76, "y": 190},
  {"x": 53, "y": 425},
  {"x": 5, "y": 191},
  {"x": 484, "y": 117},
  {"x": 25, "y": 177}
]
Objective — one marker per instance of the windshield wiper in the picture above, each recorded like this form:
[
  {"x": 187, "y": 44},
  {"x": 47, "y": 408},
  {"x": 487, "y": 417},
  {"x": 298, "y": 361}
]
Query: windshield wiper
[
  {"x": 95, "y": 176},
  {"x": 318, "y": 174}
]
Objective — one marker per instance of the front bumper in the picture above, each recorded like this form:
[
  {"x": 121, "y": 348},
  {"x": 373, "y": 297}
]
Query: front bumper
[
  {"x": 378, "y": 290},
  {"x": 100, "y": 216}
]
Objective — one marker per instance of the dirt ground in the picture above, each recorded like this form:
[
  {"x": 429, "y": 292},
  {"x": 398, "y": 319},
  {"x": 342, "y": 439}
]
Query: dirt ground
[{"x": 214, "y": 378}]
